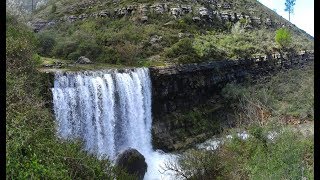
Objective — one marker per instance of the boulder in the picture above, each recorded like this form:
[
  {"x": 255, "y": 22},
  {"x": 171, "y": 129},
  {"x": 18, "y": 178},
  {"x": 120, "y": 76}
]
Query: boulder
[
  {"x": 133, "y": 162},
  {"x": 72, "y": 18},
  {"x": 186, "y": 9},
  {"x": 203, "y": 12},
  {"x": 158, "y": 8},
  {"x": 176, "y": 12},
  {"x": 155, "y": 39},
  {"x": 83, "y": 60},
  {"x": 144, "y": 19},
  {"x": 144, "y": 9},
  {"x": 104, "y": 13}
]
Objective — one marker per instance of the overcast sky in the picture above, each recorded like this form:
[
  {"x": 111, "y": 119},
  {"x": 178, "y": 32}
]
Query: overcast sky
[{"x": 302, "y": 17}]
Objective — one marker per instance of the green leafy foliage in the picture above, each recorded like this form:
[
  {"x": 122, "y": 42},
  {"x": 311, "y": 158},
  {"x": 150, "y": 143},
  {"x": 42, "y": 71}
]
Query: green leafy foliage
[
  {"x": 183, "y": 51},
  {"x": 288, "y": 156},
  {"x": 46, "y": 43},
  {"x": 258, "y": 158},
  {"x": 215, "y": 46},
  {"x": 283, "y": 37}
]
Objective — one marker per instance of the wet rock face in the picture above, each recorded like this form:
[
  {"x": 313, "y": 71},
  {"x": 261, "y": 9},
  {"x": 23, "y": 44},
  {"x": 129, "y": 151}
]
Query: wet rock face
[{"x": 133, "y": 162}]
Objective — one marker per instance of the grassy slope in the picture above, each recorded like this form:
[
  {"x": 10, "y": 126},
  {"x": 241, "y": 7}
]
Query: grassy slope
[
  {"x": 125, "y": 41},
  {"x": 32, "y": 149}
]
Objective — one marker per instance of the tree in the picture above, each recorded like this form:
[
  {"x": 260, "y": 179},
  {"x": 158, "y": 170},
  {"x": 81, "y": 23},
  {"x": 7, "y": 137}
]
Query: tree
[{"x": 289, "y": 6}]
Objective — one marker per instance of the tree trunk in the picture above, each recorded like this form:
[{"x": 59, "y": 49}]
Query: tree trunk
[{"x": 289, "y": 16}]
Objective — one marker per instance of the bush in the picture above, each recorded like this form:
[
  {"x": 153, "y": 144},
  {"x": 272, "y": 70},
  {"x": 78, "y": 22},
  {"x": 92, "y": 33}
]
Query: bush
[
  {"x": 64, "y": 48},
  {"x": 37, "y": 59},
  {"x": 205, "y": 47},
  {"x": 196, "y": 164},
  {"x": 128, "y": 53},
  {"x": 288, "y": 156},
  {"x": 282, "y": 158},
  {"x": 243, "y": 21},
  {"x": 283, "y": 37},
  {"x": 183, "y": 51},
  {"x": 46, "y": 43}
]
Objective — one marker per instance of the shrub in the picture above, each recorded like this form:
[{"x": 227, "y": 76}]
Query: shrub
[
  {"x": 128, "y": 53},
  {"x": 183, "y": 51},
  {"x": 205, "y": 47},
  {"x": 46, "y": 43},
  {"x": 196, "y": 164},
  {"x": 283, "y": 37},
  {"x": 288, "y": 156},
  {"x": 243, "y": 21},
  {"x": 53, "y": 8},
  {"x": 109, "y": 55},
  {"x": 282, "y": 158},
  {"x": 64, "y": 48},
  {"x": 20, "y": 43},
  {"x": 37, "y": 59}
]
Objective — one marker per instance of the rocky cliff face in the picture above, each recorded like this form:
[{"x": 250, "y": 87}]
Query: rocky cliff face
[{"x": 180, "y": 88}]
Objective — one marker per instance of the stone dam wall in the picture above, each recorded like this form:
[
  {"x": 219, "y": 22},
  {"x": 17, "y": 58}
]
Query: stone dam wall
[{"x": 182, "y": 87}]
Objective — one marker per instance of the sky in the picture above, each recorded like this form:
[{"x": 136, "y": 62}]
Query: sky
[{"x": 303, "y": 13}]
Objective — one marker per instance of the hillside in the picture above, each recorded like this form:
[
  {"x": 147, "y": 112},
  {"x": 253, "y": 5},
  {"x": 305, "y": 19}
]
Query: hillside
[{"x": 160, "y": 32}]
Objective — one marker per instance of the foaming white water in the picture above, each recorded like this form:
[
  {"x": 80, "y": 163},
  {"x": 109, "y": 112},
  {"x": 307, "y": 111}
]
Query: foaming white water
[{"x": 110, "y": 112}]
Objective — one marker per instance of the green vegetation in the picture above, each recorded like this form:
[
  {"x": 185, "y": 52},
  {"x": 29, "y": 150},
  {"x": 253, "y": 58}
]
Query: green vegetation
[
  {"x": 127, "y": 41},
  {"x": 283, "y": 37},
  {"x": 288, "y": 94},
  {"x": 183, "y": 51},
  {"x": 261, "y": 108},
  {"x": 32, "y": 149},
  {"x": 289, "y": 156}
]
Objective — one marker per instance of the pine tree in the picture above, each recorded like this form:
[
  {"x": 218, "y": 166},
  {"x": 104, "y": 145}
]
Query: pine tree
[{"x": 289, "y": 6}]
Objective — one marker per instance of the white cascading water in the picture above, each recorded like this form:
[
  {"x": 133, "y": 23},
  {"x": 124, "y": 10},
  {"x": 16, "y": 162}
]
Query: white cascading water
[{"x": 110, "y": 112}]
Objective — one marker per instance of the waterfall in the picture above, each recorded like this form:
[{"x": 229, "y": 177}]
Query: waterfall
[{"x": 109, "y": 111}]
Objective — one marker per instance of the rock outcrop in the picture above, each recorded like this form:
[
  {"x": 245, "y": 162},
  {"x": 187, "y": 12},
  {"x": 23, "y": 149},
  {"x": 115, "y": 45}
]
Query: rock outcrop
[
  {"x": 83, "y": 60},
  {"x": 207, "y": 13}
]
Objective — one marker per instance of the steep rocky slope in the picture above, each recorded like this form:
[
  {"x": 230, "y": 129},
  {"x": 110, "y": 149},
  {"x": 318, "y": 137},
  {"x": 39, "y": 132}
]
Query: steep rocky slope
[{"x": 159, "y": 32}]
